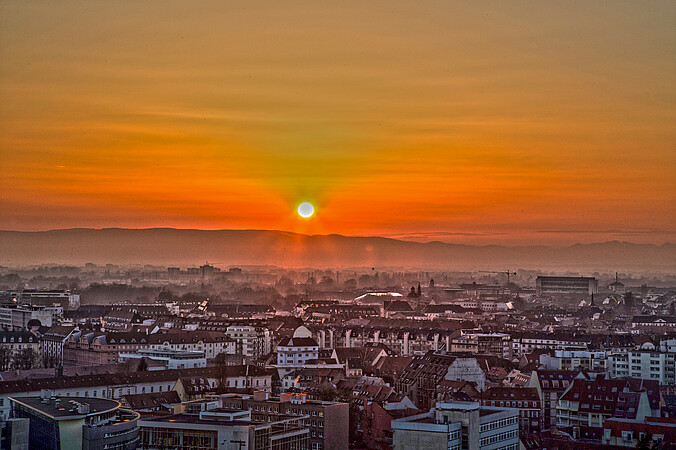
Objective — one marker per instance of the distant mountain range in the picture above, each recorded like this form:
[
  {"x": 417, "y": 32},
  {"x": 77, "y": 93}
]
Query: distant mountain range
[{"x": 182, "y": 247}]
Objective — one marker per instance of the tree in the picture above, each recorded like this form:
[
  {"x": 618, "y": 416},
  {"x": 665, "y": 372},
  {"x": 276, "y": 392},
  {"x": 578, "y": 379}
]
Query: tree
[
  {"x": 5, "y": 358},
  {"x": 327, "y": 392},
  {"x": 24, "y": 359}
]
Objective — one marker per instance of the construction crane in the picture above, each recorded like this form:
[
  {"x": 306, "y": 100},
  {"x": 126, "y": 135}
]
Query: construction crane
[{"x": 504, "y": 272}]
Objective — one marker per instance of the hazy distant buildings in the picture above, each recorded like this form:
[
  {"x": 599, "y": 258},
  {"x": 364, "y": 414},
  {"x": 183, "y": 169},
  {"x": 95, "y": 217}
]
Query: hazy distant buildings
[
  {"x": 63, "y": 298},
  {"x": 566, "y": 286}
]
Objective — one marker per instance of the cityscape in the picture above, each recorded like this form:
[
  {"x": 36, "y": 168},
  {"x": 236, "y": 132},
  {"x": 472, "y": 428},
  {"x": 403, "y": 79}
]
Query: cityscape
[{"x": 385, "y": 225}]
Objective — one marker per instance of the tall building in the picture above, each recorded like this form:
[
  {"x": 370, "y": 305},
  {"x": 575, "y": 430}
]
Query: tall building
[
  {"x": 458, "y": 425},
  {"x": 77, "y": 423},
  {"x": 566, "y": 286}
]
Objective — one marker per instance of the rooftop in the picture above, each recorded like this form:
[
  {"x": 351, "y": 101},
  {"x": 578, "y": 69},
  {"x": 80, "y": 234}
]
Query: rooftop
[{"x": 68, "y": 407}]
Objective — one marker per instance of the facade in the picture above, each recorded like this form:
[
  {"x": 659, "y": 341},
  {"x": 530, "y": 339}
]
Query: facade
[
  {"x": 221, "y": 430},
  {"x": 53, "y": 343},
  {"x": 64, "y": 299},
  {"x": 250, "y": 341},
  {"x": 576, "y": 360},
  {"x": 80, "y": 423},
  {"x": 212, "y": 344},
  {"x": 526, "y": 400},
  {"x": 296, "y": 351},
  {"x": 458, "y": 425},
  {"x": 172, "y": 359},
  {"x": 17, "y": 317},
  {"x": 589, "y": 403},
  {"x": 551, "y": 384},
  {"x": 646, "y": 364},
  {"x": 526, "y": 343},
  {"x": 629, "y": 433},
  {"x": 574, "y": 286}
]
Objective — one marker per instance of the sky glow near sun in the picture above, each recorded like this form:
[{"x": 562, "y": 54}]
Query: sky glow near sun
[{"x": 500, "y": 122}]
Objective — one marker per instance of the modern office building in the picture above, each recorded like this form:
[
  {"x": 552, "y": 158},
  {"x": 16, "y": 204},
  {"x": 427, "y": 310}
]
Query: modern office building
[
  {"x": 458, "y": 425},
  {"x": 77, "y": 423},
  {"x": 566, "y": 286},
  {"x": 216, "y": 428}
]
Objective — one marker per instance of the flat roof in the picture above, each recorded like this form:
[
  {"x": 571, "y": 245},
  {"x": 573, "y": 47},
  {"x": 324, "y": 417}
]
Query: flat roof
[{"x": 62, "y": 408}]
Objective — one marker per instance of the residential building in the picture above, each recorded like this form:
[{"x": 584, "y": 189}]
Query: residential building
[
  {"x": 551, "y": 384},
  {"x": 53, "y": 342},
  {"x": 655, "y": 365},
  {"x": 525, "y": 343},
  {"x": 298, "y": 349},
  {"x": 526, "y": 400},
  {"x": 250, "y": 341},
  {"x": 586, "y": 404},
  {"x": 421, "y": 377},
  {"x": 576, "y": 360},
  {"x": 629, "y": 433}
]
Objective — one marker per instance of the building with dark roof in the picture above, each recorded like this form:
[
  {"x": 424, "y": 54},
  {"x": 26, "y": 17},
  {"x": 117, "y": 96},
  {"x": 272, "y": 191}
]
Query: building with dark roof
[
  {"x": 77, "y": 422},
  {"x": 550, "y": 385},
  {"x": 630, "y": 433},
  {"x": 589, "y": 403},
  {"x": 526, "y": 400}
]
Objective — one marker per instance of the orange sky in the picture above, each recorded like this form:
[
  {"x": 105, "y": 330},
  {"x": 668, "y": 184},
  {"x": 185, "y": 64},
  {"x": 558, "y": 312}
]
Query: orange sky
[{"x": 504, "y": 122}]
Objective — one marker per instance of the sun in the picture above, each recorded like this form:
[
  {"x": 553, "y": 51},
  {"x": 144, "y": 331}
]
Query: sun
[{"x": 306, "y": 210}]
